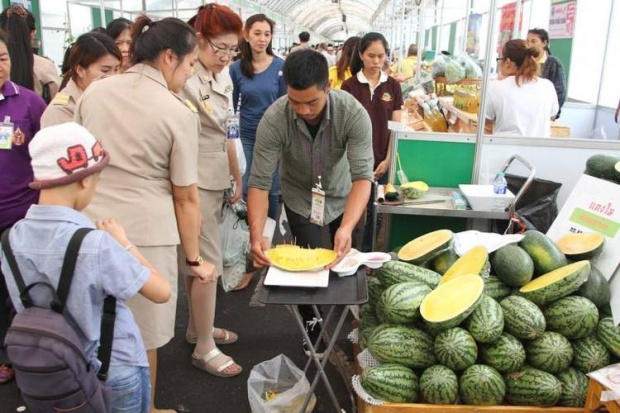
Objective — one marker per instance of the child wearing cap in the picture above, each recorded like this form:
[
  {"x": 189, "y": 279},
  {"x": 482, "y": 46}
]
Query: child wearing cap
[{"x": 66, "y": 160}]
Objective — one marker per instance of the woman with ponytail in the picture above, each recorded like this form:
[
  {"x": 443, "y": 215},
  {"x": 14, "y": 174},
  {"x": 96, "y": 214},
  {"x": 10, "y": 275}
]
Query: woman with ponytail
[
  {"x": 522, "y": 103},
  {"x": 92, "y": 56},
  {"x": 550, "y": 66},
  {"x": 151, "y": 184}
]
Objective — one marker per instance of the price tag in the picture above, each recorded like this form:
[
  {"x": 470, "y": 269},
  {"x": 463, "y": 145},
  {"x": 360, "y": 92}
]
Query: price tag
[{"x": 317, "y": 212}]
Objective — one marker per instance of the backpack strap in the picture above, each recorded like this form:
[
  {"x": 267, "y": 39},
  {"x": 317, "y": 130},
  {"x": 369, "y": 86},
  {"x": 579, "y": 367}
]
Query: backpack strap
[
  {"x": 19, "y": 280},
  {"x": 68, "y": 268},
  {"x": 107, "y": 336}
]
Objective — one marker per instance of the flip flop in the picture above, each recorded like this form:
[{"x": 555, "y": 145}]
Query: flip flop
[
  {"x": 203, "y": 364},
  {"x": 229, "y": 337}
]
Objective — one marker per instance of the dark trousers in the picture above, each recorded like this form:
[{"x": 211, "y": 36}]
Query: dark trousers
[
  {"x": 370, "y": 210},
  {"x": 6, "y": 316},
  {"x": 309, "y": 235}
]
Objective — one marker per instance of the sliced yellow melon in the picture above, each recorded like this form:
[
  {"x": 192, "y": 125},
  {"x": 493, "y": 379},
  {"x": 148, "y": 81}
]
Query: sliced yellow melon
[
  {"x": 474, "y": 261},
  {"x": 579, "y": 247},
  {"x": 426, "y": 247},
  {"x": 413, "y": 190},
  {"x": 450, "y": 303},
  {"x": 557, "y": 283},
  {"x": 294, "y": 258}
]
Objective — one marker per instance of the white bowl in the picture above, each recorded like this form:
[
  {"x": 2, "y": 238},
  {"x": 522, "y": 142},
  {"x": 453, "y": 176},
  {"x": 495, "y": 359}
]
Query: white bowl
[{"x": 482, "y": 198}]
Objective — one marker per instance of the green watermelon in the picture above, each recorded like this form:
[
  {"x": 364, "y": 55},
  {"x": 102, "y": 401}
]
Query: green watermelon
[
  {"x": 481, "y": 385},
  {"x": 486, "y": 322},
  {"x": 495, "y": 288},
  {"x": 391, "y": 383},
  {"x": 596, "y": 288},
  {"x": 394, "y": 272},
  {"x": 506, "y": 354},
  {"x": 551, "y": 352},
  {"x": 543, "y": 251},
  {"x": 443, "y": 261},
  {"x": 589, "y": 354},
  {"x": 556, "y": 284},
  {"x": 400, "y": 303},
  {"x": 609, "y": 335},
  {"x": 403, "y": 345},
  {"x": 439, "y": 385},
  {"x": 532, "y": 387},
  {"x": 522, "y": 318},
  {"x": 375, "y": 288},
  {"x": 368, "y": 318},
  {"x": 512, "y": 265},
  {"x": 605, "y": 311},
  {"x": 574, "y": 388},
  {"x": 604, "y": 167},
  {"x": 574, "y": 317},
  {"x": 426, "y": 246},
  {"x": 456, "y": 349}
]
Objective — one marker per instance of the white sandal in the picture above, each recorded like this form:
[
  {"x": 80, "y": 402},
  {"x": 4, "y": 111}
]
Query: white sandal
[{"x": 203, "y": 364}]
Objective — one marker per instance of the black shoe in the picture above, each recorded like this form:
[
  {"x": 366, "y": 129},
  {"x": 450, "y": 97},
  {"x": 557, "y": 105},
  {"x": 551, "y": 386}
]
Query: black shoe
[{"x": 313, "y": 329}]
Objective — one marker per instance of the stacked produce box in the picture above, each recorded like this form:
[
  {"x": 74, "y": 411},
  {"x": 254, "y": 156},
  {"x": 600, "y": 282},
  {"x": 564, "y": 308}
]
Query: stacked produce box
[{"x": 522, "y": 326}]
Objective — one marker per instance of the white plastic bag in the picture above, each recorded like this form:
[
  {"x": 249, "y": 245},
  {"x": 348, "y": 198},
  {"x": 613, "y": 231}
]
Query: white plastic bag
[
  {"x": 240, "y": 156},
  {"x": 280, "y": 381},
  {"x": 235, "y": 237}
]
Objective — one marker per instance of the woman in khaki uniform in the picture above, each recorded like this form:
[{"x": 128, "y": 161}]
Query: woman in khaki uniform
[
  {"x": 210, "y": 91},
  {"x": 150, "y": 185},
  {"x": 92, "y": 56}
]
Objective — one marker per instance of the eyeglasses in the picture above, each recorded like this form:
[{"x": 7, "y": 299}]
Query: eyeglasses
[
  {"x": 499, "y": 59},
  {"x": 220, "y": 51}
]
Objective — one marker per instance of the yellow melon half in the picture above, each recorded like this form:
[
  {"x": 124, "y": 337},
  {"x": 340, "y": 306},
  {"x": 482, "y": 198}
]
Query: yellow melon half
[
  {"x": 450, "y": 303},
  {"x": 475, "y": 261},
  {"x": 426, "y": 247},
  {"x": 581, "y": 246},
  {"x": 295, "y": 258},
  {"x": 557, "y": 283}
]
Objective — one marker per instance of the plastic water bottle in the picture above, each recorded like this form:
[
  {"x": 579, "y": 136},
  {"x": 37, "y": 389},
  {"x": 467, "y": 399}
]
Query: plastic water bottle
[{"x": 500, "y": 184}]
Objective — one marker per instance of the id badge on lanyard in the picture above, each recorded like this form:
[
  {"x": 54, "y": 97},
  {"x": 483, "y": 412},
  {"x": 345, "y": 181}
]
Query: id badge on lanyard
[
  {"x": 317, "y": 212},
  {"x": 232, "y": 125},
  {"x": 6, "y": 134}
]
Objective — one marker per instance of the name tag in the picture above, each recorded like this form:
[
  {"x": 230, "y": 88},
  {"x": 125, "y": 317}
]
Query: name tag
[{"x": 317, "y": 211}]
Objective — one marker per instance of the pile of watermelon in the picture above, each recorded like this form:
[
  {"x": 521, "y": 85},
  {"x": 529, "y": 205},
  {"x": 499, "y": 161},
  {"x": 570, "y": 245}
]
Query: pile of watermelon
[{"x": 522, "y": 326}]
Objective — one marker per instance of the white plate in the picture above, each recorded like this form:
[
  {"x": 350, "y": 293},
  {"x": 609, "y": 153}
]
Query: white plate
[
  {"x": 310, "y": 279},
  {"x": 350, "y": 264}
]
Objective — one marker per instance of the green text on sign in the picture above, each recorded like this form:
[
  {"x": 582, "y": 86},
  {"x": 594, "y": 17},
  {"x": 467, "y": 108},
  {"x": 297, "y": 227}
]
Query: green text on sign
[{"x": 595, "y": 222}]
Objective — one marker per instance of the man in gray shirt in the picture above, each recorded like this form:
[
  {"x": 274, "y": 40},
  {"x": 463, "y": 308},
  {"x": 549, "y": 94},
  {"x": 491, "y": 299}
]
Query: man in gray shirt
[{"x": 322, "y": 139}]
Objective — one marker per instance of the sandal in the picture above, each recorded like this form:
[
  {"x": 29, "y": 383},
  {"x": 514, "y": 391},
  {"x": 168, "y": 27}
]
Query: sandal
[
  {"x": 245, "y": 281},
  {"x": 203, "y": 364},
  {"x": 229, "y": 337}
]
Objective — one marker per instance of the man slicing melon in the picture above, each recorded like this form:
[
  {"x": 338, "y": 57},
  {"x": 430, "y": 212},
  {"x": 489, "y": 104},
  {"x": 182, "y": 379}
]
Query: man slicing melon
[{"x": 322, "y": 140}]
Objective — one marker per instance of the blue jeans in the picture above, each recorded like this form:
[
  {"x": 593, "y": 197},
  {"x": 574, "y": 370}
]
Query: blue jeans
[
  {"x": 131, "y": 388},
  {"x": 274, "y": 193}
]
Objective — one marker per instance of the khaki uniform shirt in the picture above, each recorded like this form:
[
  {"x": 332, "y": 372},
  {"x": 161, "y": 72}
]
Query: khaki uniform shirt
[
  {"x": 62, "y": 108},
  {"x": 212, "y": 96},
  {"x": 45, "y": 72},
  {"x": 340, "y": 153},
  {"x": 151, "y": 136}
]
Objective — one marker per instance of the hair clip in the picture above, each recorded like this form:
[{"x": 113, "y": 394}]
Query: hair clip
[
  {"x": 211, "y": 6},
  {"x": 146, "y": 27}
]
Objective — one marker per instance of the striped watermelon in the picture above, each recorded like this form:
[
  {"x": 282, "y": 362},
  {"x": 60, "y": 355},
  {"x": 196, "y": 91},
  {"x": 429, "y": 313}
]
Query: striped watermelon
[
  {"x": 506, "y": 354},
  {"x": 495, "y": 288},
  {"x": 400, "y": 303},
  {"x": 512, "y": 265},
  {"x": 596, "y": 288},
  {"x": 551, "y": 352},
  {"x": 456, "y": 349},
  {"x": 391, "y": 383},
  {"x": 402, "y": 345},
  {"x": 556, "y": 284},
  {"x": 368, "y": 317},
  {"x": 574, "y": 388},
  {"x": 609, "y": 335},
  {"x": 589, "y": 354},
  {"x": 574, "y": 317},
  {"x": 375, "y": 288},
  {"x": 394, "y": 272},
  {"x": 522, "y": 318},
  {"x": 532, "y": 387},
  {"x": 486, "y": 323},
  {"x": 439, "y": 385},
  {"x": 481, "y": 385}
]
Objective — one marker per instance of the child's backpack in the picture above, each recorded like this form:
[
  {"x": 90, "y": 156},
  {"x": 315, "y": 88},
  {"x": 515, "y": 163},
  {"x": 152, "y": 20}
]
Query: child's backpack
[{"x": 51, "y": 369}]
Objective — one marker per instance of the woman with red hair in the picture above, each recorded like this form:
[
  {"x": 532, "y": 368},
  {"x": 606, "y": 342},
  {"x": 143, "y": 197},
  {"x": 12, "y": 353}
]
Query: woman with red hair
[{"x": 218, "y": 30}]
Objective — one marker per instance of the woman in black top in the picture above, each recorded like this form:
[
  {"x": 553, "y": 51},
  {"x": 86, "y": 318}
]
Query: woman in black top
[{"x": 550, "y": 66}]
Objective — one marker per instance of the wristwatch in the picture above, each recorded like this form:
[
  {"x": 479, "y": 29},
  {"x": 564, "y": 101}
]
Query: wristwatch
[{"x": 196, "y": 263}]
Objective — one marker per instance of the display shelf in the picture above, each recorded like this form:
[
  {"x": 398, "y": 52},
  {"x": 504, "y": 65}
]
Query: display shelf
[{"x": 424, "y": 408}]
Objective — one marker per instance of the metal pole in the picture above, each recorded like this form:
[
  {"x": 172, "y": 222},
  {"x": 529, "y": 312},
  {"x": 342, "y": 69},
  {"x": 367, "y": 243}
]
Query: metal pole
[
  {"x": 600, "y": 85},
  {"x": 516, "y": 31},
  {"x": 483, "y": 98},
  {"x": 68, "y": 22},
  {"x": 421, "y": 37},
  {"x": 440, "y": 25},
  {"x": 102, "y": 11}
]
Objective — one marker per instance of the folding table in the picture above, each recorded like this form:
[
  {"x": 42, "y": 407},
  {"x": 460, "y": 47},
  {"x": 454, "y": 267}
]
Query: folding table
[{"x": 341, "y": 293}]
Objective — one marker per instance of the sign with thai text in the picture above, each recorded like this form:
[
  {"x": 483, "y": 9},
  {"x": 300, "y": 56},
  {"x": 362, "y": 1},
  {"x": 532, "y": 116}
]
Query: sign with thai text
[{"x": 562, "y": 20}]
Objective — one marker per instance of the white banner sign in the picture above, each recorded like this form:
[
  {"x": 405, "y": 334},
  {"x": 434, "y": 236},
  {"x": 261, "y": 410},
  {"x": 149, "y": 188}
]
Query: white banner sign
[{"x": 562, "y": 20}]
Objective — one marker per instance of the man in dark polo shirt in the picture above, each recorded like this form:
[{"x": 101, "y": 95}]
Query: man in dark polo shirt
[{"x": 320, "y": 137}]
